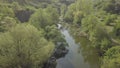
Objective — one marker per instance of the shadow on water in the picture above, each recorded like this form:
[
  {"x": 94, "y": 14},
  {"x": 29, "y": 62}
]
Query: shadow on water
[
  {"x": 80, "y": 55},
  {"x": 89, "y": 53}
]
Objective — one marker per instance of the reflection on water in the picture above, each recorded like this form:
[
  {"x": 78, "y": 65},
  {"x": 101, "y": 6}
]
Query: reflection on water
[
  {"x": 89, "y": 53},
  {"x": 79, "y": 55}
]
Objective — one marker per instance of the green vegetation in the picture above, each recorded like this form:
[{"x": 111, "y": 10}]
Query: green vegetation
[
  {"x": 44, "y": 17},
  {"x": 28, "y": 29},
  {"x": 28, "y": 33},
  {"x": 112, "y": 58},
  {"x": 47, "y": 19},
  {"x": 27, "y": 47},
  {"x": 98, "y": 20}
]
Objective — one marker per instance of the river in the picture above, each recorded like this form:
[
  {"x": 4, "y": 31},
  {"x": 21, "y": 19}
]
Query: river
[{"x": 79, "y": 55}]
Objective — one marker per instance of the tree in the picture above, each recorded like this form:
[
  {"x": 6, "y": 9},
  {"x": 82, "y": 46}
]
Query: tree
[
  {"x": 82, "y": 5},
  {"x": 6, "y": 23},
  {"x": 52, "y": 14},
  {"x": 26, "y": 46},
  {"x": 89, "y": 25},
  {"x": 97, "y": 33},
  {"x": 43, "y": 17},
  {"x": 53, "y": 34},
  {"x": 78, "y": 16},
  {"x": 69, "y": 14},
  {"x": 38, "y": 19},
  {"x": 112, "y": 58},
  {"x": 111, "y": 6},
  {"x": 117, "y": 27},
  {"x": 5, "y": 10},
  {"x": 63, "y": 9},
  {"x": 79, "y": 9}
]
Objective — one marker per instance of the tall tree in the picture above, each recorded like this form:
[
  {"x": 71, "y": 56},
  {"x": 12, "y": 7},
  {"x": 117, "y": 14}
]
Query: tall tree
[{"x": 26, "y": 46}]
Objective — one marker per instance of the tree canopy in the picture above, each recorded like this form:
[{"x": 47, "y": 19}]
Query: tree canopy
[{"x": 27, "y": 47}]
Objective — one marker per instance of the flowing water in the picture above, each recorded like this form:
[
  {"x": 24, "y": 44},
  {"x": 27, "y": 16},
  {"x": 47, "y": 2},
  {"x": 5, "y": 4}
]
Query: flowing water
[{"x": 79, "y": 55}]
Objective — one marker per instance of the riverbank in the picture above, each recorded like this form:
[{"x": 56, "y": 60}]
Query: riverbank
[
  {"x": 80, "y": 54},
  {"x": 60, "y": 51}
]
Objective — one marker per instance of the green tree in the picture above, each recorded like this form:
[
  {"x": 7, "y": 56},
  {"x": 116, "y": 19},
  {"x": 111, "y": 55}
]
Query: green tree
[
  {"x": 5, "y": 10},
  {"x": 24, "y": 47},
  {"x": 53, "y": 34},
  {"x": 111, "y": 6},
  {"x": 97, "y": 33},
  {"x": 69, "y": 14},
  {"x": 52, "y": 14},
  {"x": 43, "y": 17},
  {"x": 112, "y": 58},
  {"x": 38, "y": 19},
  {"x": 78, "y": 16},
  {"x": 6, "y": 23},
  {"x": 117, "y": 28}
]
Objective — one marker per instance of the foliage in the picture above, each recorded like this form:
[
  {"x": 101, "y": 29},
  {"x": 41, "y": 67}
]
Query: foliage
[
  {"x": 78, "y": 10},
  {"x": 47, "y": 20},
  {"x": 53, "y": 14},
  {"x": 78, "y": 17},
  {"x": 111, "y": 6},
  {"x": 97, "y": 34},
  {"x": 112, "y": 58},
  {"x": 6, "y": 23},
  {"x": 69, "y": 14},
  {"x": 100, "y": 23},
  {"x": 63, "y": 9},
  {"x": 117, "y": 27},
  {"x": 7, "y": 17},
  {"x": 53, "y": 34},
  {"x": 26, "y": 46},
  {"x": 43, "y": 17},
  {"x": 30, "y": 44},
  {"x": 6, "y": 11}
]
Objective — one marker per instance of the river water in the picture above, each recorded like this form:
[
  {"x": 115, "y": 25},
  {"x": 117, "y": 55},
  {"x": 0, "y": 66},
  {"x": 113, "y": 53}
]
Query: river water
[{"x": 79, "y": 55}]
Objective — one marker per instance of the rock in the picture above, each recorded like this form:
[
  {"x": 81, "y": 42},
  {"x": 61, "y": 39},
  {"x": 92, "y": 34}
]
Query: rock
[
  {"x": 59, "y": 26},
  {"x": 59, "y": 52}
]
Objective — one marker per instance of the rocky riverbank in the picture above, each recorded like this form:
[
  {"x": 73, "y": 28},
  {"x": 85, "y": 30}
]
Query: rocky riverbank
[{"x": 59, "y": 52}]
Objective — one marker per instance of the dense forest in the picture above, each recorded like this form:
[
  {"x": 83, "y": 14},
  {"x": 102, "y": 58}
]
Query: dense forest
[
  {"x": 30, "y": 37},
  {"x": 28, "y": 32}
]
